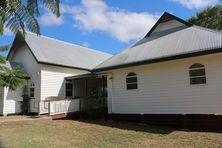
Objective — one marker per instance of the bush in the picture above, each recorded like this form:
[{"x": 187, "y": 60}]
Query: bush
[
  {"x": 25, "y": 104},
  {"x": 93, "y": 107}
]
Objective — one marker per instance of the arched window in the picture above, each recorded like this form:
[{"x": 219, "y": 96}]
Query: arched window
[
  {"x": 197, "y": 74},
  {"x": 131, "y": 81}
]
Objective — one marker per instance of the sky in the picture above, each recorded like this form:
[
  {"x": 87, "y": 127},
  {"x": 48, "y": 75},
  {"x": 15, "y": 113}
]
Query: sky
[{"x": 109, "y": 25}]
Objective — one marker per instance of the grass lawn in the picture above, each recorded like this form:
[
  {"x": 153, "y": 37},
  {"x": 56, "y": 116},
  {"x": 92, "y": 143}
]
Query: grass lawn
[
  {"x": 12, "y": 117},
  {"x": 71, "y": 133}
]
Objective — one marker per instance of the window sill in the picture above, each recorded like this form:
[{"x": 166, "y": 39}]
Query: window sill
[{"x": 194, "y": 85}]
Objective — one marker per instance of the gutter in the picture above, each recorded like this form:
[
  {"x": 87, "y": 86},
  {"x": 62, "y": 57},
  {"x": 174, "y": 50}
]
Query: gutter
[{"x": 163, "y": 59}]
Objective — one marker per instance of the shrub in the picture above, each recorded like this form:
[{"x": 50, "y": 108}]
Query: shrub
[{"x": 25, "y": 104}]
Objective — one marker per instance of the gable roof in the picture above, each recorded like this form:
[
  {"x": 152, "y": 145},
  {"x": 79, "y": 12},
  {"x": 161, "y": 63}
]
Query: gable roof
[
  {"x": 165, "y": 18},
  {"x": 54, "y": 52},
  {"x": 179, "y": 42}
]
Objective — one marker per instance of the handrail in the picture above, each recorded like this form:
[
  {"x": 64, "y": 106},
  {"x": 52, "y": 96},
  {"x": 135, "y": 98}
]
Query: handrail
[{"x": 63, "y": 106}]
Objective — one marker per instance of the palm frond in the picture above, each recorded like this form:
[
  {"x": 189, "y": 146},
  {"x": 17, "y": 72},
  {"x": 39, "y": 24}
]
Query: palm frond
[
  {"x": 2, "y": 60},
  {"x": 17, "y": 17},
  {"x": 1, "y": 26},
  {"x": 5, "y": 48},
  {"x": 32, "y": 6},
  {"x": 12, "y": 78},
  {"x": 52, "y": 5}
]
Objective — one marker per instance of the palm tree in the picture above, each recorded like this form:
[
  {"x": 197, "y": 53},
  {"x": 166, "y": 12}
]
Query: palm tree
[{"x": 20, "y": 15}]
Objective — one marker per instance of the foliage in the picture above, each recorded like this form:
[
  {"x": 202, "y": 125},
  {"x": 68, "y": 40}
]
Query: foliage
[
  {"x": 25, "y": 104},
  {"x": 93, "y": 107},
  {"x": 3, "y": 48},
  {"x": 19, "y": 15},
  {"x": 11, "y": 78},
  {"x": 210, "y": 17}
]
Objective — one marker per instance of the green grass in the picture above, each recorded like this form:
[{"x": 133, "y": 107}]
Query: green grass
[{"x": 71, "y": 133}]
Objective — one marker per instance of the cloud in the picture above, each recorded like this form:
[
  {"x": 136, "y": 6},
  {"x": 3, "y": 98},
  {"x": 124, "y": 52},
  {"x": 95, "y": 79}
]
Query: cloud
[
  {"x": 85, "y": 44},
  {"x": 49, "y": 19},
  {"x": 7, "y": 32},
  {"x": 96, "y": 15},
  {"x": 197, "y": 4}
]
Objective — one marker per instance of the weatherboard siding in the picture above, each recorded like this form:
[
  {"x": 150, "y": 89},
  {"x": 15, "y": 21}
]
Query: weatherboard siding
[
  {"x": 1, "y": 99},
  {"x": 12, "y": 98},
  {"x": 164, "y": 88},
  {"x": 53, "y": 80},
  {"x": 12, "y": 101},
  {"x": 24, "y": 56},
  {"x": 168, "y": 25}
]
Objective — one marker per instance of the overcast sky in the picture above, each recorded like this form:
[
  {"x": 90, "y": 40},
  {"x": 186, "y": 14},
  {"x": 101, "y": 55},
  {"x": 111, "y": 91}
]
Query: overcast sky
[{"x": 109, "y": 25}]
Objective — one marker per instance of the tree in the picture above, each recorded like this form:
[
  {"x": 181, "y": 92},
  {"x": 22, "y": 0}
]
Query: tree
[
  {"x": 11, "y": 78},
  {"x": 210, "y": 17},
  {"x": 20, "y": 15}
]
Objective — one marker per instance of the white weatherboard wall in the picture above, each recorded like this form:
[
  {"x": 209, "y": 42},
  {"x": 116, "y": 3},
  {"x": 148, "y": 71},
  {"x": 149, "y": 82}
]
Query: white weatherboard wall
[
  {"x": 53, "y": 80},
  {"x": 24, "y": 56},
  {"x": 1, "y": 100},
  {"x": 164, "y": 88},
  {"x": 12, "y": 101}
]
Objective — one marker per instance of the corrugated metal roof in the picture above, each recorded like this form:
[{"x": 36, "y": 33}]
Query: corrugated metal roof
[
  {"x": 169, "y": 43},
  {"x": 48, "y": 50}
]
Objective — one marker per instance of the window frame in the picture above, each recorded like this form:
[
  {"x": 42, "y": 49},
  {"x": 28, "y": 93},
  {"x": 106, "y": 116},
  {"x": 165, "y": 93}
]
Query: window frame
[
  {"x": 196, "y": 67},
  {"x": 129, "y": 85},
  {"x": 32, "y": 90},
  {"x": 68, "y": 90}
]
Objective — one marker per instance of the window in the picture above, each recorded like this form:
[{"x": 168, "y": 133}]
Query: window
[
  {"x": 131, "y": 81},
  {"x": 197, "y": 74},
  {"x": 68, "y": 89},
  {"x": 32, "y": 90}
]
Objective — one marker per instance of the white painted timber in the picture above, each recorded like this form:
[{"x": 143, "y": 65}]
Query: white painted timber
[
  {"x": 24, "y": 56},
  {"x": 34, "y": 105},
  {"x": 63, "y": 106},
  {"x": 53, "y": 80},
  {"x": 1, "y": 100},
  {"x": 168, "y": 25},
  {"x": 164, "y": 88},
  {"x": 12, "y": 101}
]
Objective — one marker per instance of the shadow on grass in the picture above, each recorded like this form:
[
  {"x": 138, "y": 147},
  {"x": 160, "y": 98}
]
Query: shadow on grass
[
  {"x": 134, "y": 126},
  {"x": 1, "y": 145},
  {"x": 35, "y": 117}
]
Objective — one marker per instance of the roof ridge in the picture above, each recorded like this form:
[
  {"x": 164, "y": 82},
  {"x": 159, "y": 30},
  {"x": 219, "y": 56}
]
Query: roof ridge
[
  {"x": 121, "y": 51},
  {"x": 109, "y": 58},
  {"x": 68, "y": 43}
]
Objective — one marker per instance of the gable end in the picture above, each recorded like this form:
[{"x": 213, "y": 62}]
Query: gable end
[{"x": 166, "y": 17}]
